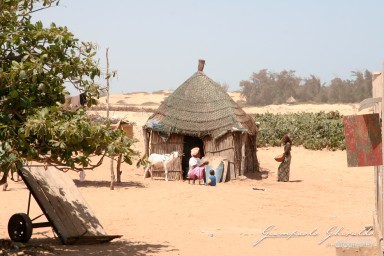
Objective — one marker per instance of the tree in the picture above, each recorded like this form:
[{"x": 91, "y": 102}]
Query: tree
[
  {"x": 287, "y": 84},
  {"x": 266, "y": 87},
  {"x": 336, "y": 89},
  {"x": 35, "y": 64},
  {"x": 310, "y": 89},
  {"x": 224, "y": 86},
  {"x": 258, "y": 90},
  {"x": 250, "y": 91},
  {"x": 362, "y": 85}
]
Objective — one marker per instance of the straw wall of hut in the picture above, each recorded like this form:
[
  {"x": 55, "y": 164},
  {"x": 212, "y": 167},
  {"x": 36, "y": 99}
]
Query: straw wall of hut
[
  {"x": 238, "y": 149},
  {"x": 155, "y": 144}
]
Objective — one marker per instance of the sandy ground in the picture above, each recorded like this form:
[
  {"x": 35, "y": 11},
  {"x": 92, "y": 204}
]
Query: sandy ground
[{"x": 175, "y": 218}]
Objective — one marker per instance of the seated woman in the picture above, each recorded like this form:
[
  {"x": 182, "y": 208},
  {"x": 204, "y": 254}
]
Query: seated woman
[{"x": 196, "y": 166}]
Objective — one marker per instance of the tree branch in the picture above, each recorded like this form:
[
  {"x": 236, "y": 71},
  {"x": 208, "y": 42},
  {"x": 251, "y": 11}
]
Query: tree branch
[
  {"x": 36, "y": 10},
  {"x": 62, "y": 167}
]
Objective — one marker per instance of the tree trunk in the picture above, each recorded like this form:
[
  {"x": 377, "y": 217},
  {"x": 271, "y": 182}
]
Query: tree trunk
[
  {"x": 118, "y": 169},
  {"x": 112, "y": 187},
  {"x": 4, "y": 178}
]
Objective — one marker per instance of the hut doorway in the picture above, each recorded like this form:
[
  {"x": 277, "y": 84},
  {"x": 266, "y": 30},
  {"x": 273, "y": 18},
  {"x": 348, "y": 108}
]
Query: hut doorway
[{"x": 189, "y": 143}]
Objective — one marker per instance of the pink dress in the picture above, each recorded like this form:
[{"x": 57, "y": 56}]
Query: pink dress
[{"x": 197, "y": 171}]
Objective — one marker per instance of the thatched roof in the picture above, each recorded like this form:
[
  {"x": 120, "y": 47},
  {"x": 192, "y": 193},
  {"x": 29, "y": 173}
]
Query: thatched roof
[
  {"x": 291, "y": 100},
  {"x": 200, "y": 107}
]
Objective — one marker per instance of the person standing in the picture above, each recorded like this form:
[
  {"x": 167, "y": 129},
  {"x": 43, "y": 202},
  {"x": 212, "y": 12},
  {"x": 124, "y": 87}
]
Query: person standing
[{"x": 284, "y": 167}]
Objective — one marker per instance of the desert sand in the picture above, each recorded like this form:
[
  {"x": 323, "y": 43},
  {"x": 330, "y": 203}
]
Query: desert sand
[{"x": 156, "y": 217}]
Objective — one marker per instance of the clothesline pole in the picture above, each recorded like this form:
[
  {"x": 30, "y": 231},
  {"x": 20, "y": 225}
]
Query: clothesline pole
[
  {"x": 107, "y": 76},
  {"x": 112, "y": 186}
]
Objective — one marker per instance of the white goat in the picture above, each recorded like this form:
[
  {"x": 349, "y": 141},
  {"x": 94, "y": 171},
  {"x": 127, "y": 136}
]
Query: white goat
[{"x": 158, "y": 161}]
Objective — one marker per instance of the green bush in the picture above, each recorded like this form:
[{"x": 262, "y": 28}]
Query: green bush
[{"x": 312, "y": 130}]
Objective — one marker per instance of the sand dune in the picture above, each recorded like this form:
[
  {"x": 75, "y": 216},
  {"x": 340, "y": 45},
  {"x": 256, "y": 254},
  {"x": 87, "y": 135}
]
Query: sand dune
[{"x": 153, "y": 100}]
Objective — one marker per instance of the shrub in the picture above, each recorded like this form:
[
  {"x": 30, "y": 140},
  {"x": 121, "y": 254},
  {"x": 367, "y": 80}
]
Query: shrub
[{"x": 312, "y": 130}]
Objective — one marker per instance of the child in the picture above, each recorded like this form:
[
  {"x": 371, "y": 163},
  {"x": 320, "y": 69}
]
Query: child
[{"x": 211, "y": 181}]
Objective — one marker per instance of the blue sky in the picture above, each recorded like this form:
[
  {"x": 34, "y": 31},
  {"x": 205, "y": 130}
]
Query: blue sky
[{"x": 155, "y": 45}]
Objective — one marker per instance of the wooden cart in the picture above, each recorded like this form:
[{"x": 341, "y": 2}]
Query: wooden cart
[{"x": 63, "y": 206}]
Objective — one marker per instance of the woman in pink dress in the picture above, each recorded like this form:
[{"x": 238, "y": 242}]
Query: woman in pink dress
[{"x": 196, "y": 166}]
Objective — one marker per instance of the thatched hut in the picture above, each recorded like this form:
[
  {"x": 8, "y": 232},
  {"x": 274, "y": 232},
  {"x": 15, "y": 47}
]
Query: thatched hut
[
  {"x": 199, "y": 113},
  {"x": 291, "y": 100}
]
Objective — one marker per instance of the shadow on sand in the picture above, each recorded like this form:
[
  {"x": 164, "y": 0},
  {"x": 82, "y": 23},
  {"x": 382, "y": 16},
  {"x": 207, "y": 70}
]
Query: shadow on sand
[
  {"x": 54, "y": 247},
  {"x": 92, "y": 183},
  {"x": 263, "y": 174}
]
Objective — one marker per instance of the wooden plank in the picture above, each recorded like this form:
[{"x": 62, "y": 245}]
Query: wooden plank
[
  {"x": 379, "y": 83},
  {"x": 64, "y": 206},
  {"x": 376, "y": 169},
  {"x": 128, "y": 128},
  {"x": 237, "y": 143},
  {"x": 243, "y": 158},
  {"x": 146, "y": 136},
  {"x": 174, "y": 171},
  {"x": 232, "y": 172},
  {"x": 225, "y": 171},
  {"x": 378, "y": 234},
  {"x": 45, "y": 205},
  {"x": 378, "y": 92},
  {"x": 380, "y": 197},
  {"x": 53, "y": 196},
  {"x": 83, "y": 216},
  {"x": 171, "y": 174}
]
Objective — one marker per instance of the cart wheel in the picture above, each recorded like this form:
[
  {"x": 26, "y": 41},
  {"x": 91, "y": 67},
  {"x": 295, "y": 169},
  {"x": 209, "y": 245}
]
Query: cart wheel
[{"x": 20, "y": 227}]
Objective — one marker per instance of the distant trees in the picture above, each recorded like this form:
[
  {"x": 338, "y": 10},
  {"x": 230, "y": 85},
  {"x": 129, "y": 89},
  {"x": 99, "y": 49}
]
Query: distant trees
[
  {"x": 264, "y": 88},
  {"x": 224, "y": 86}
]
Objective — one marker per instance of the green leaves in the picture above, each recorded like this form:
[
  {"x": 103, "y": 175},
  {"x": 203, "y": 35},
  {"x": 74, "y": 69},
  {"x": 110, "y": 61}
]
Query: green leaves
[
  {"x": 312, "y": 130},
  {"x": 35, "y": 62},
  {"x": 73, "y": 138}
]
